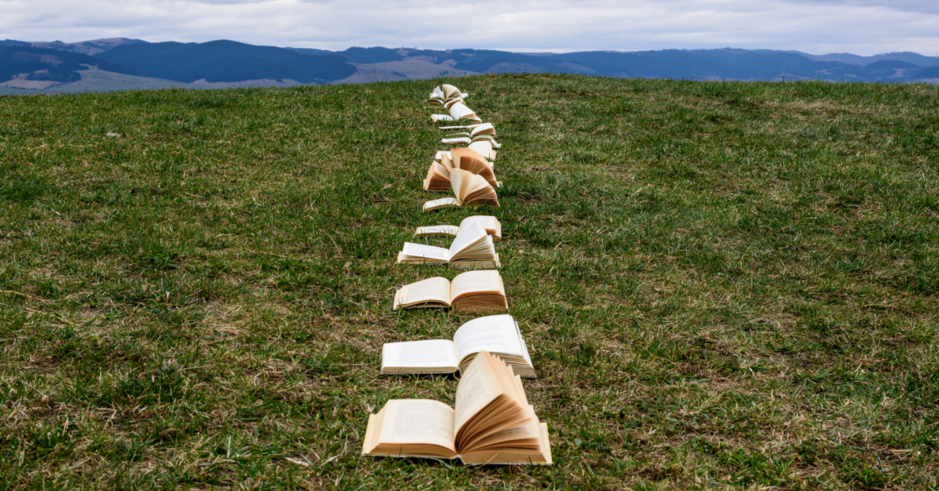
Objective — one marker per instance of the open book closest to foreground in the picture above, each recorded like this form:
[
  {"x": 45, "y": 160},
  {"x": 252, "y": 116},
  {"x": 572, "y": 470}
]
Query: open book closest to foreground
[
  {"x": 471, "y": 248},
  {"x": 438, "y": 175},
  {"x": 467, "y": 188},
  {"x": 490, "y": 223},
  {"x": 473, "y": 291},
  {"x": 483, "y": 147},
  {"x": 491, "y": 423},
  {"x": 497, "y": 334}
]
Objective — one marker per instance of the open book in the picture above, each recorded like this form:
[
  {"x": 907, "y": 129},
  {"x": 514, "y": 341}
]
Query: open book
[
  {"x": 438, "y": 175},
  {"x": 475, "y": 291},
  {"x": 492, "y": 422},
  {"x": 467, "y": 188},
  {"x": 490, "y": 223},
  {"x": 467, "y": 140},
  {"x": 472, "y": 248},
  {"x": 458, "y": 110},
  {"x": 497, "y": 334},
  {"x": 482, "y": 147},
  {"x": 443, "y": 93}
]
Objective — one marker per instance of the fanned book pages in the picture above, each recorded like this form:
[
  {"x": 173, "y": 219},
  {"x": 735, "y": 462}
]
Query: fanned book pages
[
  {"x": 438, "y": 175},
  {"x": 473, "y": 291},
  {"x": 497, "y": 334},
  {"x": 441, "y": 94},
  {"x": 491, "y": 423},
  {"x": 472, "y": 248},
  {"x": 482, "y": 147},
  {"x": 467, "y": 188},
  {"x": 490, "y": 223}
]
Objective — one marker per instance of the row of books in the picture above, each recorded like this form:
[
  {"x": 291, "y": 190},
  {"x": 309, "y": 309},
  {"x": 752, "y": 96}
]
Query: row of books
[{"x": 492, "y": 421}]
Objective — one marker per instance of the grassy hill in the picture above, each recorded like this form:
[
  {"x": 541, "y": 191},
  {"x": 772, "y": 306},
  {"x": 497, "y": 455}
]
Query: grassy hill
[{"x": 721, "y": 284}]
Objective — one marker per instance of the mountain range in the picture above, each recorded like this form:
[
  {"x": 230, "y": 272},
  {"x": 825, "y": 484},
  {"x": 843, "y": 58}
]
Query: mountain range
[{"x": 122, "y": 63}]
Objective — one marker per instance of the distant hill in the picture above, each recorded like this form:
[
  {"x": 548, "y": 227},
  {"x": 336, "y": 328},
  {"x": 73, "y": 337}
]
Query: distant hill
[
  {"x": 39, "y": 68},
  {"x": 905, "y": 56},
  {"x": 92, "y": 47},
  {"x": 233, "y": 64},
  {"x": 227, "y": 61}
]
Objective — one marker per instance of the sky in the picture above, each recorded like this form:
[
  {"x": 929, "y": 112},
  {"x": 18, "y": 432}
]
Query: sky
[{"x": 864, "y": 27}]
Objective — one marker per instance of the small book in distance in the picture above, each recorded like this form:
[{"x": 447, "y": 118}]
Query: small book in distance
[
  {"x": 473, "y": 247},
  {"x": 490, "y": 223},
  {"x": 438, "y": 175},
  {"x": 467, "y": 188},
  {"x": 491, "y": 423},
  {"x": 473, "y": 291},
  {"x": 497, "y": 334}
]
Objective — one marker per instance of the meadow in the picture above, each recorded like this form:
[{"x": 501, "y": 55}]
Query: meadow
[{"x": 723, "y": 285}]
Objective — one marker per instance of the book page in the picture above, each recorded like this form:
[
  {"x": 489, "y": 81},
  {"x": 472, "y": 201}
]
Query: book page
[
  {"x": 440, "y": 155},
  {"x": 457, "y": 177},
  {"x": 477, "y": 388},
  {"x": 417, "y": 421},
  {"x": 429, "y": 290},
  {"x": 468, "y": 236},
  {"x": 441, "y": 117},
  {"x": 460, "y": 111},
  {"x": 476, "y": 282},
  {"x": 442, "y": 202},
  {"x": 436, "y": 353},
  {"x": 487, "y": 222},
  {"x": 426, "y": 251},
  {"x": 494, "y": 333}
]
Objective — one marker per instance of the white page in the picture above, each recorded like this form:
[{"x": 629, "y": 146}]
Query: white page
[
  {"x": 440, "y": 155},
  {"x": 494, "y": 333},
  {"x": 419, "y": 354},
  {"x": 426, "y": 251},
  {"x": 440, "y": 203},
  {"x": 417, "y": 421},
  {"x": 441, "y": 117},
  {"x": 460, "y": 111},
  {"x": 473, "y": 233},
  {"x": 483, "y": 127}
]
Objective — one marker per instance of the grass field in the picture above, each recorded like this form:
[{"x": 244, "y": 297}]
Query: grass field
[{"x": 723, "y": 285}]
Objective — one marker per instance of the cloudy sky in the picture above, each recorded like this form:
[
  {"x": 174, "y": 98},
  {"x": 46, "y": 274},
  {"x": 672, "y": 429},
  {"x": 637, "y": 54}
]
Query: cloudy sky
[{"x": 856, "y": 26}]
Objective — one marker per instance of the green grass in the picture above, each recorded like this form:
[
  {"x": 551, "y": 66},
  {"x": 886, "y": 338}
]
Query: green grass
[{"x": 723, "y": 285}]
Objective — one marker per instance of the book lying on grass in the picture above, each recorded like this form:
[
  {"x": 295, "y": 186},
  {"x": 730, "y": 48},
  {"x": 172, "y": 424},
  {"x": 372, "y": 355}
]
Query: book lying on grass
[
  {"x": 490, "y": 223},
  {"x": 467, "y": 188},
  {"x": 482, "y": 147},
  {"x": 497, "y": 334},
  {"x": 475, "y": 130},
  {"x": 467, "y": 140},
  {"x": 492, "y": 422},
  {"x": 471, "y": 248},
  {"x": 458, "y": 111},
  {"x": 474, "y": 291},
  {"x": 438, "y": 175}
]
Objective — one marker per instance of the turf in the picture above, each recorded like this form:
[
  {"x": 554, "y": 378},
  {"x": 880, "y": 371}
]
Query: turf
[{"x": 723, "y": 285}]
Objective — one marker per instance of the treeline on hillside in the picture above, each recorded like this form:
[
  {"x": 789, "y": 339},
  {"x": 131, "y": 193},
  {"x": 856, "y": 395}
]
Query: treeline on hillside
[
  {"x": 49, "y": 64},
  {"x": 226, "y": 61}
]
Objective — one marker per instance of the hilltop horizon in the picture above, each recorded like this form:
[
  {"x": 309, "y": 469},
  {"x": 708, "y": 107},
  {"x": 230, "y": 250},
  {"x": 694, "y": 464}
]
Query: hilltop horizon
[{"x": 108, "y": 64}]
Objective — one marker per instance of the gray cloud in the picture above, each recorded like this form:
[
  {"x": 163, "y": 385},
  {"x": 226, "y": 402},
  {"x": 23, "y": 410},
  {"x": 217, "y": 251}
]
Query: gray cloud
[{"x": 858, "y": 26}]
